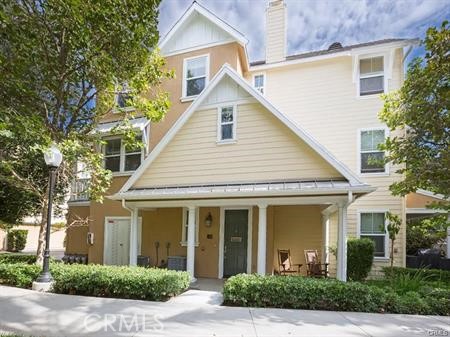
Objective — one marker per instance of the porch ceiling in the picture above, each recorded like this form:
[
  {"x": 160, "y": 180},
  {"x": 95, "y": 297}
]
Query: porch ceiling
[{"x": 250, "y": 189}]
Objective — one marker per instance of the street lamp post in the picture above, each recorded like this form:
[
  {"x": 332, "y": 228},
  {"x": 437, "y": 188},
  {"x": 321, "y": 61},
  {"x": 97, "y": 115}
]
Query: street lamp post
[{"x": 53, "y": 158}]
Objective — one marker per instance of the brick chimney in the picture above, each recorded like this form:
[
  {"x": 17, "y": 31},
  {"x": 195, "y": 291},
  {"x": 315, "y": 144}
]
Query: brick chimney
[{"x": 275, "y": 31}]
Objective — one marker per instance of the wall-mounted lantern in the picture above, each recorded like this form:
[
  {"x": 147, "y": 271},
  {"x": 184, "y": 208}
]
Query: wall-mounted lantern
[{"x": 208, "y": 220}]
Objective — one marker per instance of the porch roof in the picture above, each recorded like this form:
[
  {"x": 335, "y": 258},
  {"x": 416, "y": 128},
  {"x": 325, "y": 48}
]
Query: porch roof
[{"x": 246, "y": 189}]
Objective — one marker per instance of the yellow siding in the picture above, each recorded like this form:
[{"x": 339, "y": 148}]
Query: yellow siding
[
  {"x": 265, "y": 150},
  {"x": 322, "y": 97},
  {"x": 275, "y": 32}
]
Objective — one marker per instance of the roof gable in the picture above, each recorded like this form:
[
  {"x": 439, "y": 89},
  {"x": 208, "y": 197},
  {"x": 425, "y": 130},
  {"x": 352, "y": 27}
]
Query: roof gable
[
  {"x": 227, "y": 71},
  {"x": 198, "y": 28}
]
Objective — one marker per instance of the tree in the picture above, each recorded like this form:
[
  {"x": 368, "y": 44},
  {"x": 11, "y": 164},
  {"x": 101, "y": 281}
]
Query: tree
[
  {"x": 61, "y": 63},
  {"x": 420, "y": 109},
  {"x": 393, "y": 228},
  {"x": 425, "y": 233}
]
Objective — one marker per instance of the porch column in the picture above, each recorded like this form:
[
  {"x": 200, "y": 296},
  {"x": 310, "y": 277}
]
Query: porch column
[
  {"x": 191, "y": 243},
  {"x": 325, "y": 237},
  {"x": 134, "y": 237},
  {"x": 262, "y": 239},
  {"x": 342, "y": 243}
]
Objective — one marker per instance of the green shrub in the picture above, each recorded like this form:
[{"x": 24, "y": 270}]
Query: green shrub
[
  {"x": 430, "y": 274},
  {"x": 425, "y": 233},
  {"x": 404, "y": 283},
  {"x": 17, "y": 258},
  {"x": 327, "y": 294},
  {"x": 359, "y": 258},
  {"x": 16, "y": 239},
  {"x": 19, "y": 275}
]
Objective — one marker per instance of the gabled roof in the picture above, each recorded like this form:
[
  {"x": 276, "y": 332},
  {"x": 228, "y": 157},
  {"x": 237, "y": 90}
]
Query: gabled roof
[
  {"x": 197, "y": 8},
  {"x": 226, "y": 70}
]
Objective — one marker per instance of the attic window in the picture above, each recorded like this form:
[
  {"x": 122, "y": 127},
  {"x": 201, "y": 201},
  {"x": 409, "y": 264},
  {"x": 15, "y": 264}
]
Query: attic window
[
  {"x": 196, "y": 72},
  {"x": 226, "y": 130},
  {"x": 371, "y": 76}
]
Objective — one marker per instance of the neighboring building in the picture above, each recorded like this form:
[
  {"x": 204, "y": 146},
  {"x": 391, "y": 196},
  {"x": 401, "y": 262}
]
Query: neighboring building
[{"x": 252, "y": 157}]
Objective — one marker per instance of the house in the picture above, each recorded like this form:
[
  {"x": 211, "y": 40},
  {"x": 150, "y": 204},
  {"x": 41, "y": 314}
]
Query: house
[{"x": 252, "y": 157}]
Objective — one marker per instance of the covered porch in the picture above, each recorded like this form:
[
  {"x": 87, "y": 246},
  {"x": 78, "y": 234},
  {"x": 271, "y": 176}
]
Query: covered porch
[{"x": 230, "y": 229}]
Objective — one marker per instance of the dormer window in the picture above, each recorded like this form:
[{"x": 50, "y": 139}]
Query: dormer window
[
  {"x": 259, "y": 82},
  {"x": 196, "y": 73},
  {"x": 371, "y": 76},
  {"x": 226, "y": 131}
]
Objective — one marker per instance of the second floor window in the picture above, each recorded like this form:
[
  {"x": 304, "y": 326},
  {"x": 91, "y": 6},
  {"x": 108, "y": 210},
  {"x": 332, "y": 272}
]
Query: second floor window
[
  {"x": 258, "y": 83},
  {"x": 371, "y": 158},
  {"x": 119, "y": 158},
  {"x": 371, "y": 76},
  {"x": 195, "y": 75}
]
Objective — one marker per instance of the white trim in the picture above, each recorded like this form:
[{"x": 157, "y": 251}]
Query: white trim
[
  {"x": 358, "y": 152},
  {"x": 195, "y": 7},
  {"x": 424, "y": 211},
  {"x": 222, "y": 237},
  {"x": 351, "y": 52},
  {"x": 122, "y": 155},
  {"x": 220, "y": 124},
  {"x": 80, "y": 203},
  {"x": 264, "y": 87},
  {"x": 386, "y": 59},
  {"x": 226, "y": 70},
  {"x": 430, "y": 194},
  {"x": 386, "y": 234},
  {"x": 241, "y": 101},
  {"x": 203, "y": 46},
  {"x": 185, "y": 97},
  {"x": 184, "y": 226}
]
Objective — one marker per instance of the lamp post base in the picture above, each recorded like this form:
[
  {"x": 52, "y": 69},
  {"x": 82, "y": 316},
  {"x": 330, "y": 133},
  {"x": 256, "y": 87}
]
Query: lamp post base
[{"x": 42, "y": 286}]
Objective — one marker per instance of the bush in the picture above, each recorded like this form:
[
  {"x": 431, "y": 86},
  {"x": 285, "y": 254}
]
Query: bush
[
  {"x": 17, "y": 258},
  {"x": 101, "y": 281},
  {"x": 327, "y": 294},
  {"x": 425, "y": 233},
  {"x": 359, "y": 258},
  {"x": 429, "y": 274},
  {"x": 16, "y": 239}
]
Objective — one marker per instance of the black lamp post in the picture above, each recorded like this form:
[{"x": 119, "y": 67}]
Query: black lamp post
[{"x": 53, "y": 158}]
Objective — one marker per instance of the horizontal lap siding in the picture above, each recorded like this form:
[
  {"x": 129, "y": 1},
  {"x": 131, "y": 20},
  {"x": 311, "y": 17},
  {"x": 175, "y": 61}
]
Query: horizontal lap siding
[{"x": 265, "y": 149}]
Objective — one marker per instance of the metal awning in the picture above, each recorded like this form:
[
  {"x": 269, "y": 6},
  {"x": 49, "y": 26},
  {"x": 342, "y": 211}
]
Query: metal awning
[
  {"x": 268, "y": 188},
  {"x": 137, "y": 123}
]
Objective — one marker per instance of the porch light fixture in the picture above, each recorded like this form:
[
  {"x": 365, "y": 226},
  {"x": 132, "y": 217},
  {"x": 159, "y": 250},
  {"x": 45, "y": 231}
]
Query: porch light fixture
[
  {"x": 53, "y": 159},
  {"x": 208, "y": 220}
]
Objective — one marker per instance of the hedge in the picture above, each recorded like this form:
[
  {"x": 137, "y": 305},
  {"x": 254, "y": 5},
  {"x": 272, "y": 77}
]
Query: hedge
[
  {"x": 327, "y": 294},
  {"x": 101, "y": 281},
  {"x": 16, "y": 239},
  {"x": 17, "y": 258},
  {"x": 429, "y": 274},
  {"x": 359, "y": 258}
]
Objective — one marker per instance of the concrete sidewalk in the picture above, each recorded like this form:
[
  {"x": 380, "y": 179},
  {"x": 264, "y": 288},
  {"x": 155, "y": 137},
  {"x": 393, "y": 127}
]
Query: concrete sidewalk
[{"x": 40, "y": 314}]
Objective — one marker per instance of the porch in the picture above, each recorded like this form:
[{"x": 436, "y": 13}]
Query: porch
[{"x": 220, "y": 237}]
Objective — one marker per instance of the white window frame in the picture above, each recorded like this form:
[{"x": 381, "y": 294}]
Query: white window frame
[
  {"x": 122, "y": 155},
  {"x": 386, "y": 235},
  {"x": 184, "y": 84},
  {"x": 263, "y": 74},
  {"x": 219, "y": 124},
  {"x": 116, "y": 108},
  {"x": 184, "y": 226},
  {"x": 385, "y": 80},
  {"x": 358, "y": 151}
]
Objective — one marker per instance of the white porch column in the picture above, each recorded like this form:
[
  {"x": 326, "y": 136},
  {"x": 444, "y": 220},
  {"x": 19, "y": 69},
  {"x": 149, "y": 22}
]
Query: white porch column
[
  {"x": 325, "y": 237},
  {"x": 134, "y": 237},
  {"x": 191, "y": 243},
  {"x": 342, "y": 243},
  {"x": 262, "y": 239}
]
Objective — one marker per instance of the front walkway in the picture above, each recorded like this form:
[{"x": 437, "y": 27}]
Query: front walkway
[{"x": 40, "y": 314}]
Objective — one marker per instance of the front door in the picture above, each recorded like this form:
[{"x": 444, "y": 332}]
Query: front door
[
  {"x": 117, "y": 242},
  {"x": 235, "y": 242}
]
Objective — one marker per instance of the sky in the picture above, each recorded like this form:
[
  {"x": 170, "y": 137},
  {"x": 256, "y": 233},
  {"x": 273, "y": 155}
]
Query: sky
[{"x": 315, "y": 24}]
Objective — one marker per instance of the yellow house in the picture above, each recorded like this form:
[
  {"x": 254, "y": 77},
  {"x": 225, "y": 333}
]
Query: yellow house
[{"x": 251, "y": 158}]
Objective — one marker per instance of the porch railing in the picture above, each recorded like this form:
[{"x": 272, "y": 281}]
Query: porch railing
[{"x": 79, "y": 190}]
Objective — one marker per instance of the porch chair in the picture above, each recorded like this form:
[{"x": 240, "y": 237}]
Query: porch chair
[
  {"x": 313, "y": 266},
  {"x": 285, "y": 265}
]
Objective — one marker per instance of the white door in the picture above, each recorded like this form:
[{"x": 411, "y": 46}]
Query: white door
[{"x": 117, "y": 241}]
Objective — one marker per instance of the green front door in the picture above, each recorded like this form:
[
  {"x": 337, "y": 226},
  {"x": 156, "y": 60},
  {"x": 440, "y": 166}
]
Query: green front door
[{"x": 235, "y": 242}]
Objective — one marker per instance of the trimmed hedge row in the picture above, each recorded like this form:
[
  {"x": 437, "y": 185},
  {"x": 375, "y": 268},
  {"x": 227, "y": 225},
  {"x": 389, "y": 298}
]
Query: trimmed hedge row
[
  {"x": 429, "y": 274},
  {"x": 17, "y": 258},
  {"x": 328, "y": 294},
  {"x": 101, "y": 281}
]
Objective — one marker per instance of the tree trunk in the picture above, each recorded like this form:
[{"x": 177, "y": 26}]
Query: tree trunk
[
  {"x": 42, "y": 231},
  {"x": 392, "y": 253}
]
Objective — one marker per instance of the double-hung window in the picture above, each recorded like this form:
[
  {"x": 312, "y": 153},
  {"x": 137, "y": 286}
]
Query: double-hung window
[
  {"x": 119, "y": 158},
  {"x": 371, "y": 158},
  {"x": 259, "y": 82},
  {"x": 373, "y": 226},
  {"x": 123, "y": 98},
  {"x": 371, "y": 76},
  {"x": 195, "y": 75},
  {"x": 227, "y": 124},
  {"x": 185, "y": 227}
]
